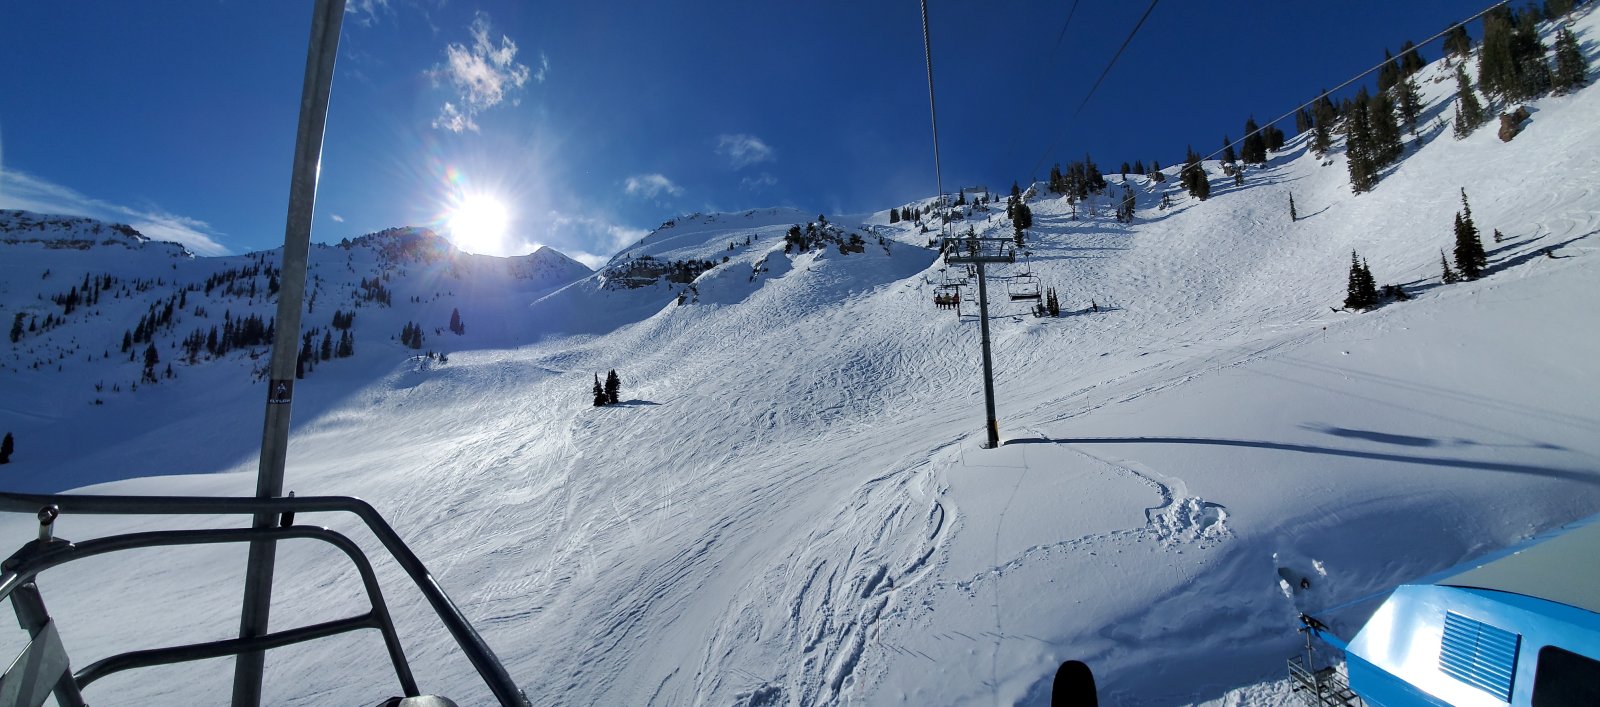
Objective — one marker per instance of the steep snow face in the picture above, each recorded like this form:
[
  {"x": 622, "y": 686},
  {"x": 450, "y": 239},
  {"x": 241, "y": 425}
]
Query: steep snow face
[{"x": 790, "y": 506}]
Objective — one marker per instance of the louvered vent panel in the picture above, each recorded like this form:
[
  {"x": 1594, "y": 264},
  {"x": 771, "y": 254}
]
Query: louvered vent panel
[{"x": 1479, "y": 655}]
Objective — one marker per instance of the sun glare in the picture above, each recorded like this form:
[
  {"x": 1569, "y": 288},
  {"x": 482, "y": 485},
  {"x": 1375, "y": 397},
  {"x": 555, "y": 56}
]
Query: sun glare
[{"x": 478, "y": 224}]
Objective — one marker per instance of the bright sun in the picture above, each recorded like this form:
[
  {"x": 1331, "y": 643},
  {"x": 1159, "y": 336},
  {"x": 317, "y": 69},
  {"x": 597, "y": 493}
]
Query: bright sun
[{"x": 478, "y": 224}]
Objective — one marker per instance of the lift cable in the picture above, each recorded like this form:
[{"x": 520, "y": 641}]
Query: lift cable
[
  {"x": 1096, "y": 85},
  {"x": 933, "y": 113}
]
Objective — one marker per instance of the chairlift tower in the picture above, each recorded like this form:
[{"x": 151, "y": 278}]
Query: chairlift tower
[{"x": 979, "y": 252}]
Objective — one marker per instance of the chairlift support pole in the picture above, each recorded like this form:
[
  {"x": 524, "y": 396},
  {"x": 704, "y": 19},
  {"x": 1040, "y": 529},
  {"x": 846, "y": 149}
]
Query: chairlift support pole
[
  {"x": 979, "y": 251},
  {"x": 322, "y": 50}
]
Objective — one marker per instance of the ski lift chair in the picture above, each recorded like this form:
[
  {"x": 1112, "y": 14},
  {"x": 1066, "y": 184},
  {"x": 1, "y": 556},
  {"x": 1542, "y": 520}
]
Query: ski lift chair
[
  {"x": 43, "y": 667},
  {"x": 1023, "y": 287}
]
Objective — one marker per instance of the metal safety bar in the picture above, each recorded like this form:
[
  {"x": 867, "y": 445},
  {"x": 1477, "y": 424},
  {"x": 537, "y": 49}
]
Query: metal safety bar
[{"x": 39, "y": 555}]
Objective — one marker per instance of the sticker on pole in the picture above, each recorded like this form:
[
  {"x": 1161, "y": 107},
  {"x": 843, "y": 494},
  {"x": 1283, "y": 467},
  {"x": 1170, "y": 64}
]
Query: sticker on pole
[{"x": 280, "y": 391}]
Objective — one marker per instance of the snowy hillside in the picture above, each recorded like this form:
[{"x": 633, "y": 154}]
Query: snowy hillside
[{"x": 791, "y": 505}]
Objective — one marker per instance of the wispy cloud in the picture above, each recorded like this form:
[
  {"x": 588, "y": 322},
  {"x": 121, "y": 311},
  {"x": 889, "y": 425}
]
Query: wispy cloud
[
  {"x": 20, "y": 190},
  {"x": 367, "y": 12},
  {"x": 481, "y": 75},
  {"x": 758, "y": 183},
  {"x": 651, "y": 186},
  {"x": 544, "y": 68},
  {"x": 336, "y": 218},
  {"x": 743, "y": 150}
]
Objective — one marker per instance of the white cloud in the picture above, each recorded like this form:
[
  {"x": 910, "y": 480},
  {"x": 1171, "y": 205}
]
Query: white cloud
[
  {"x": 650, "y": 186},
  {"x": 481, "y": 75},
  {"x": 743, "y": 150},
  {"x": 336, "y": 218},
  {"x": 19, "y": 190},
  {"x": 758, "y": 183},
  {"x": 366, "y": 12}
]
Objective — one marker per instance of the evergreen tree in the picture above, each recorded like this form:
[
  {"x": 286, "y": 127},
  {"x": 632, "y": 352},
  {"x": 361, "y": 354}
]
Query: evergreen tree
[
  {"x": 1125, "y": 170},
  {"x": 1388, "y": 73},
  {"x": 1274, "y": 137},
  {"x": 1411, "y": 60},
  {"x": 1292, "y": 215},
  {"x": 7, "y": 446},
  {"x": 1533, "y": 70},
  {"x": 16, "y": 327},
  {"x": 1138, "y": 167},
  {"x": 1449, "y": 275},
  {"x": 1359, "y": 150},
  {"x": 326, "y": 350},
  {"x": 613, "y": 387},
  {"x": 600, "y": 398},
  {"x": 1322, "y": 128},
  {"x": 1254, "y": 149},
  {"x": 1355, "y": 298},
  {"x": 1303, "y": 120},
  {"x": 1457, "y": 42},
  {"x": 1193, "y": 176},
  {"x": 1571, "y": 70},
  {"x": 1228, "y": 156},
  {"x": 455, "y": 322},
  {"x": 1497, "y": 63},
  {"x": 894, "y": 215},
  {"x": 1408, "y": 103},
  {"x": 151, "y": 358},
  {"x": 1469, "y": 113},
  {"x": 1554, "y": 9},
  {"x": 1052, "y": 304},
  {"x": 1470, "y": 257},
  {"x": 1386, "y": 144}
]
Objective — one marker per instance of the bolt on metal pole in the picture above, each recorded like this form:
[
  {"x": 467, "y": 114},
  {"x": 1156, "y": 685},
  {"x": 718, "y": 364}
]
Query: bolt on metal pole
[
  {"x": 993, "y": 425},
  {"x": 322, "y": 50}
]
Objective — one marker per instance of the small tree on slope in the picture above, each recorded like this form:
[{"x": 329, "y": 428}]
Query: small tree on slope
[
  {"x": 1470, "y": 258},
  {"x": 1362, "y": 291},
  {"x": 613, "y": 387},
  {"x": 1469, "y": 112},
  {"x": 7, "y": 446},
  {"x": 599, "y": 393}
]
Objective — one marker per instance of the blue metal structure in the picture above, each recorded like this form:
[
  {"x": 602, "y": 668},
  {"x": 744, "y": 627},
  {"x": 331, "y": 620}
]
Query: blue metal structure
[{"x": 1521, "y": 627}]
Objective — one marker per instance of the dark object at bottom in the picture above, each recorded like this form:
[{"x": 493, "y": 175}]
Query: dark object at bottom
[{"x": 1074, "y": 686}]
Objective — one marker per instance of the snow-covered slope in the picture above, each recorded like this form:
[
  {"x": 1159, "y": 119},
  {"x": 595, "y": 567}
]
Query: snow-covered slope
[{"x": 791, "y": 505}]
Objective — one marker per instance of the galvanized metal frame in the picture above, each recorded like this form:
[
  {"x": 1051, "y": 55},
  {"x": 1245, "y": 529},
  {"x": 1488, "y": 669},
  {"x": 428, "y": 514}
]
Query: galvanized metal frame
[
  {"x": 36, "y": 556},
  {"x": 979, "y": 251}
]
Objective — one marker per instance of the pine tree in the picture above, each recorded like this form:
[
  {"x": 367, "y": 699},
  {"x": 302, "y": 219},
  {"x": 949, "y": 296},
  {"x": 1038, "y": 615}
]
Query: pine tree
[
  {"x": 1497, "y": 69},
  {"x": 1469, "y": 113},
  {"x": 1408, "y": 103},
  {"x": 1052, "y": 304},
  {"x": 1322, "y": 129},
  {"x": 1388, "y": 73},
  {"x": 1470, "y": 257},
  {"x": 1411, "y": 60},
  {"x": 1228, "y": 156},
  {"x": 1533, "y": 70},
  {"x": 599, "y": 393},
  {"x": 151, "y": 358},
  {"x": 1292, "y": 215},
  {"x": 1449, "y": 275},
  {"x": 613, "y": 387},
  {"x": 455, "y": 322},
  {"x": 1138, "y": 167},
  {"x": 1359, "y": 148},
  {"x": 1386, "y": 144},
  {"x": 7, "y": 446},
  {"x": 1193, "y": 176},
  {"x": 1355, "y": 292},
  {"x": 894, "y": 215},
  {"x": 1254, "y": 149},
  {"x": 1571, "y": 70},
  {"x": 326, "y": 350},
  {"x": 1457, "y": 42}
]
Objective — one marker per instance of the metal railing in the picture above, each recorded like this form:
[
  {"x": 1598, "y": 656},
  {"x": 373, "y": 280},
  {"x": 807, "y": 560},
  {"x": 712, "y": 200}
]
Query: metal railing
[{"x": 18, "y": 572}]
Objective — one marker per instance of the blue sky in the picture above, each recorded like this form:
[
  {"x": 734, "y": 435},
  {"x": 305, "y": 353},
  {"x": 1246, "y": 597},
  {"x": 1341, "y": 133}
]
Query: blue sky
[{"x": 595, "y": 122}]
